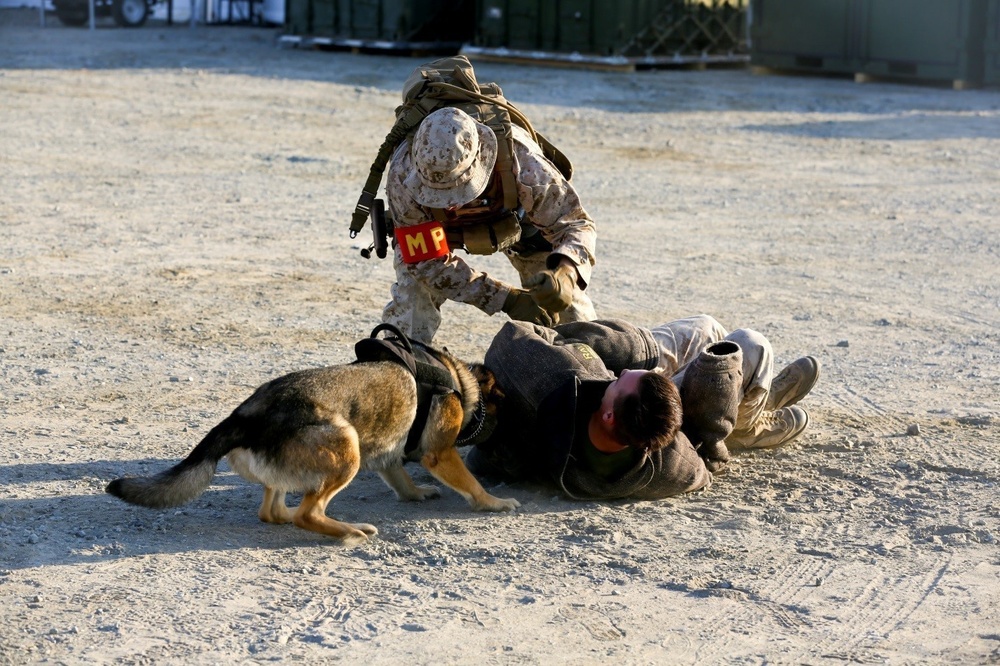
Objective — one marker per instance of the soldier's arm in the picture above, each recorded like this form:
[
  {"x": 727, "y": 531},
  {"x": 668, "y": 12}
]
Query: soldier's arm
[
  {"x": 449, "y": 275},
  {"x": 553, "y": 205}
]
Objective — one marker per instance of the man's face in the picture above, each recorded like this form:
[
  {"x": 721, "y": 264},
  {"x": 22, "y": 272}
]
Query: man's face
[{"x": 626, "y": 384}]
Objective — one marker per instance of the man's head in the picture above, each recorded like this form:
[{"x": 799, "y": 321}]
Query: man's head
[
  {"x": 453, "y": 158},
  {"x": 641, "y": 409}
]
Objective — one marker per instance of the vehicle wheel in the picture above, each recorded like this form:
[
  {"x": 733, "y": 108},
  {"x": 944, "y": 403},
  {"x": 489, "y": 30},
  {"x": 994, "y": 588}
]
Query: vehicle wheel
[
  {"x": 130, "y": 13},
  {"x": 74, "y": 14}
]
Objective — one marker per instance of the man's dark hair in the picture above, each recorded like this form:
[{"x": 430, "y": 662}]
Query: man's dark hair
[{"x": 648, "y": 419}]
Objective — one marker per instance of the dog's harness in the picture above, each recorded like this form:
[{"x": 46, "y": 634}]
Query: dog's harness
[{"x": 432, "y": 377}]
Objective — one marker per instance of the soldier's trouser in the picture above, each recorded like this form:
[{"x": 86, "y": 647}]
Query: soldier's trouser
[
  {"x": 416, "y": 310},
  {"x": 682, "y": 340}
]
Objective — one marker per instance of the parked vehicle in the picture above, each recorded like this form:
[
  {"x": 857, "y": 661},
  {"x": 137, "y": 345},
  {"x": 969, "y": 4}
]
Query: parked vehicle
[{"x": 126, "y": 13}]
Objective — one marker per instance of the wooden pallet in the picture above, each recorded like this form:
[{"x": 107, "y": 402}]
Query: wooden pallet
[
  {"x": 956, "y": 84},
  {"x": 605, "y": 63},
  {"x": 866, "y": 77},
  {"x": 321, "y": 42}
]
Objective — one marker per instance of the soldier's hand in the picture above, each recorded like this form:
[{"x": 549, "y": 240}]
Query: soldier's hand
[
  {"x": 521, "y": 306},
  {"x": 553, "y": 289}
]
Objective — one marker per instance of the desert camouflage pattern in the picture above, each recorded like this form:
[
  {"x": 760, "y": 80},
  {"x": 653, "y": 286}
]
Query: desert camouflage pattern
[
  {"x": 453, "y": 157},
  {"x": 416, "y": 309},
  {"x": 550, "y": 203}
]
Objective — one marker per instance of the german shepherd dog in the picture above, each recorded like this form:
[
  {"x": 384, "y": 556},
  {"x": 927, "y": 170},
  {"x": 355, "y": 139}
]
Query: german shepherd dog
[{"x": 312, "y": 430}]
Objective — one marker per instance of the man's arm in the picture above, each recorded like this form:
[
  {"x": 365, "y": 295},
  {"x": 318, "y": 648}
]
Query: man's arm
[{"x": 619, "y": 344}]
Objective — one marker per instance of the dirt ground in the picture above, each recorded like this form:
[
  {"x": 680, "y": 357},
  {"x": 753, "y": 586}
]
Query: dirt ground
[{"x": 173, "y": 232}]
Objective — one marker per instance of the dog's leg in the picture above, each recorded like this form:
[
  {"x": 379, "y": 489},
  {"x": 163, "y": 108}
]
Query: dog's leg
[
  {"x": 396, "y": 478},
  {"x": 443, "y": 461},
  {"x": 273, "y": 509},
  {"x": 448, "y": 468},
  {"x": 311, "y": 515},
  {"x": 342, "y": 459}
]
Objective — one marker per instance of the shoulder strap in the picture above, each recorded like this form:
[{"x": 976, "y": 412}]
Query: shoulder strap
[
  {"x": 410, "y": 119},
  {"x": 505, "y": 166}
]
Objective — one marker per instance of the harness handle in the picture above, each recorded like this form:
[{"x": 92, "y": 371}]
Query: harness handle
[{"x": 405, "y": 341}]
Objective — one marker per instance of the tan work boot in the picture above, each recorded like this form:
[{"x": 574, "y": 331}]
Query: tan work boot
[
  {"x": 773, "y": 428},
  {"x": 792, "y": 383}
]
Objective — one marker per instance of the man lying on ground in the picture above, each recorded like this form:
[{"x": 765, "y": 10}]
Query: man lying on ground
[{"x": 597, "y": 407}]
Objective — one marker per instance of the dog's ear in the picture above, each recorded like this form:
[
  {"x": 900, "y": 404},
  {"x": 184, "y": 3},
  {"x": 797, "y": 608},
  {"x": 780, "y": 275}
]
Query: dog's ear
[{"x": 493, "y": 395}]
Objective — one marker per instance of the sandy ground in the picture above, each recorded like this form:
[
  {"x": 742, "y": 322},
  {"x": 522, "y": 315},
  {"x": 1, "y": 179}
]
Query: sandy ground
[{"x": 173, "y": 232}]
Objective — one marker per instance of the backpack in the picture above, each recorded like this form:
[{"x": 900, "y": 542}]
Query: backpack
[{"x": 452, "y": 82}]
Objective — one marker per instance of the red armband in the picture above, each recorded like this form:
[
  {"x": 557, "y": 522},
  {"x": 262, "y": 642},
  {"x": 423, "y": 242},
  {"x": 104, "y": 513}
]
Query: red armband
[{"x": 422, "y": 241}]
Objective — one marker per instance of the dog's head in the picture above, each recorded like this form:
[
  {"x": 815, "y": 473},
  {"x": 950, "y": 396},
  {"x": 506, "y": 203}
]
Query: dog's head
[{"x": 492, "y": 397}]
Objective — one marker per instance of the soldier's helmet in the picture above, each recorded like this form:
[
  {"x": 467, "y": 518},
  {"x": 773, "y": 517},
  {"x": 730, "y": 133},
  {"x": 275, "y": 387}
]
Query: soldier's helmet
[{"x": 453, "y": 157}]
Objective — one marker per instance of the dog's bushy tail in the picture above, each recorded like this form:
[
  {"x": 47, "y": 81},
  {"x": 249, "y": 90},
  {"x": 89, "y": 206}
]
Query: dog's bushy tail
[{"x": 188, "y": 478}]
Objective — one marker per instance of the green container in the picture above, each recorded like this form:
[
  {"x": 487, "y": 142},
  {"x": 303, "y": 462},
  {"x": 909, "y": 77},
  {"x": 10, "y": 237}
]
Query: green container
[
  {"x": 323, "y": 16},
  {"x": 805, "y": 35},
  {"x": 544, "y": 34},
  {"x": 343, "y": 17},
  {"x": 576, "y": 29},
  {"x": 524, "y": 25},
  {"x": 441, "y": 21},
  {"x": 991, "y": 45},
  {"x": 589, "y": 27},
  {"x": 598, "y": 27},
  {"x": 923, "y": 39},
  {"x": 401, "y": 22},
  {"x": 297, "y": 17},
  {"x": 360, "y": 19}
]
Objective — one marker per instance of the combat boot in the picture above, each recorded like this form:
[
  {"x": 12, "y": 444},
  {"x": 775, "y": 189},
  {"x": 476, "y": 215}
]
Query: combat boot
[
  {"x": 772, "y": 428},
  {"x": 792, "y": 383}
]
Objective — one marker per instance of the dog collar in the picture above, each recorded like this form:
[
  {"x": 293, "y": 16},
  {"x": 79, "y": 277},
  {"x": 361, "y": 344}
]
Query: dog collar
[{"x": 478, "y": 420}]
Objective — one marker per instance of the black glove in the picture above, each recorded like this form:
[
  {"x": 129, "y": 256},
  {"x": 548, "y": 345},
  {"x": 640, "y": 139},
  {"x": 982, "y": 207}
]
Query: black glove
[
  {"x": 553, "y": 289},
  {"x": 521, "y": 306}
]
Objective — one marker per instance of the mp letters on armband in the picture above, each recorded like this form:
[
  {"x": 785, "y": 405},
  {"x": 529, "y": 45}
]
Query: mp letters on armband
[{"x": 422, "y": 241}]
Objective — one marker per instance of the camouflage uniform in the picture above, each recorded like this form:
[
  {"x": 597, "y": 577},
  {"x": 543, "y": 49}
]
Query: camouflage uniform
[{"x": 550, "y": 203}]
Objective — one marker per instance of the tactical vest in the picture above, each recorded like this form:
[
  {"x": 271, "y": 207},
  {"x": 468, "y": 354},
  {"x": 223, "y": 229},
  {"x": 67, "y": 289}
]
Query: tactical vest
[{"x": 486, "y": 225}]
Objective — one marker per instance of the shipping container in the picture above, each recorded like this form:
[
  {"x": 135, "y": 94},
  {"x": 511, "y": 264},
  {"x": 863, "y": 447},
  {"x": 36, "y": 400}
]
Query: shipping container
[
  {"x": 806, "y": 35},
  {"x": 383, "y": 23},
  {"x": 991, "y": 45},
  {"x": 619, "y": 30},
  {"x": 926, "y": 40}
]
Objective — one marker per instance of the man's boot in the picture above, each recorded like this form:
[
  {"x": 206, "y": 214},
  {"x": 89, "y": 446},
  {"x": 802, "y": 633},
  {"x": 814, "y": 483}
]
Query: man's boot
[
  {"x": 772, "y": 428},
  {"x": 792, "y": 383}
]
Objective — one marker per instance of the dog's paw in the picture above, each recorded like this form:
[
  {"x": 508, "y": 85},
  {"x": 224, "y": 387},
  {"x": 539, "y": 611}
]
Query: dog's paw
[
  {"x": 364, "y": 532},
  {"x": 369, "y": 530},
  {"x": 354, "y": 539},
  {"x": 491, "y": 503},
  {"x": 426, "y": 492}
]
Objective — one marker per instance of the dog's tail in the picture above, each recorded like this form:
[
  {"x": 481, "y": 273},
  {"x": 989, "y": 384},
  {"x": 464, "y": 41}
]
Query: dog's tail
[{"x": 188, "y": 478}]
